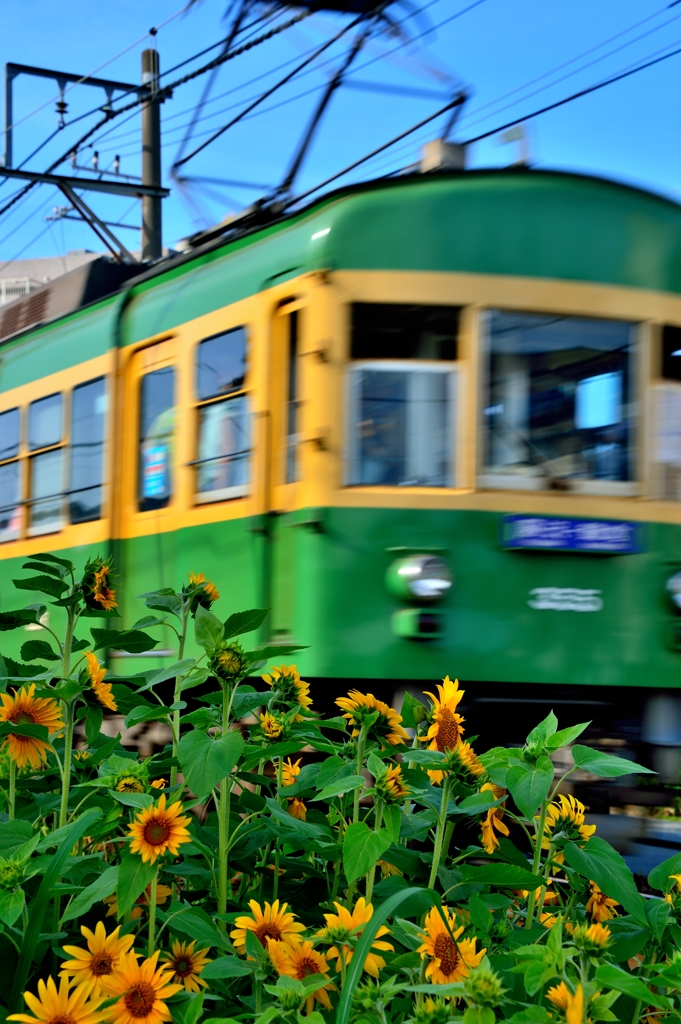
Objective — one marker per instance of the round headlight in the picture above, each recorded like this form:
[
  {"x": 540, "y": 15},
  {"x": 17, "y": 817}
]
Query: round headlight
[
  {"x": 419, "y": 578},
  {"x": 674, "y": 590}
]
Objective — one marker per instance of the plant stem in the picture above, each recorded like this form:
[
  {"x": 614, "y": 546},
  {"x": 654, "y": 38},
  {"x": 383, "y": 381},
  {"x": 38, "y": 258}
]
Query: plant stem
[
  {"x": 372, "y": 873},
  {"x": 152, "y": 912},
  {"x": 178, "y": 692},
  {"x": 536, "y": 860},
  {"x": 361, "y": 746},
  {"x": 12, "y": 787},
  {"x": 66, "y": 776},
  {"x": 439, "y": 834},
  {"x": 223, "y": 822}
]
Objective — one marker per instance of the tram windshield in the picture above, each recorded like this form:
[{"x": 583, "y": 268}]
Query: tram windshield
[{"x": 560, "y": 401}]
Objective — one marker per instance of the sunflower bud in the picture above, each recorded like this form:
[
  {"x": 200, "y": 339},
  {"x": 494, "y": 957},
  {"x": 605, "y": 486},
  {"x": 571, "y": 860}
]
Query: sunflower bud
[
  {"x": 482, "y": 987},
  {"x": 591, "y": 938},
  {"x": 201, "y": 591},
  {"x": 11, "y": 873},
  {"x": 432, "y": 1011},
  {"x": 228, "y": 662},
  {"x": 98, "y": 594}
]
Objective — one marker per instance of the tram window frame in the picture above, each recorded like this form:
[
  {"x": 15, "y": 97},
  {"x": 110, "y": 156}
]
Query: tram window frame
[
  {"x": 74, "y": 518},
  {"x": 15, "y": 508},
  {"x": 540, "y": 474},
  {"x": 147, "y": 471},
  {"x": 39, "y": 454},
  {"x": 403, "y": 339},
  {"x": 233, "y": 395}
]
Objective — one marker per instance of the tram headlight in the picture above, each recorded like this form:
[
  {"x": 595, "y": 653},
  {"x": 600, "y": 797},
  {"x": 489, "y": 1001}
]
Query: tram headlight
[
  {"x": 674, "y": 591},
  {"x": 425, "y": 578}
]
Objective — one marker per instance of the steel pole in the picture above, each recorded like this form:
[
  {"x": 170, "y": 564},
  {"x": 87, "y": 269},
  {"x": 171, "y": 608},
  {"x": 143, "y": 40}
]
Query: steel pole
[{"x": 152, "y": 239}]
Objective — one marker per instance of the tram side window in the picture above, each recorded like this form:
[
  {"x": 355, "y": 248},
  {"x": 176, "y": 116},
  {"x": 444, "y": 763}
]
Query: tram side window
[
  {"x": 666, "y": 433},
  {"x": 560, "y": 406},
  {"x": 402, "y": 395},
  {"x": 224, "y": 430},
  {"x": 46, "y": 466},
  {"x": 156, "y": 438},
  {"x": 88, "y": 409},
  {"x": 10, "y": 475}
]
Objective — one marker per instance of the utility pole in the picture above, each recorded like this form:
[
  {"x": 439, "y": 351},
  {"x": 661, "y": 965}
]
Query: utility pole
[{"x": 152, "y": 238}]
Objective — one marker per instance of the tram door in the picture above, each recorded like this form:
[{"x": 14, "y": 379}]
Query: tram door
[{"x": 284, "y": 462}]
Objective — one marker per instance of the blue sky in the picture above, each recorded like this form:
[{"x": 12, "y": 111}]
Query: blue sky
[{"x": 513, "y": 57}]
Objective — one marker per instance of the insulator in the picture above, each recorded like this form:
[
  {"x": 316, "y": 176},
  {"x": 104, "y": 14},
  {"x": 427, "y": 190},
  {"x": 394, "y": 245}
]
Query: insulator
[
  {"x": 61, "y": 107},
  {"x": 117, "y": 164}
]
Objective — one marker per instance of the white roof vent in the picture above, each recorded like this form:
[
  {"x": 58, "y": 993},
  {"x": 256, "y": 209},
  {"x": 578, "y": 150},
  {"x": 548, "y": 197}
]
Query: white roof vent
[{"x": 439, "y": 155}]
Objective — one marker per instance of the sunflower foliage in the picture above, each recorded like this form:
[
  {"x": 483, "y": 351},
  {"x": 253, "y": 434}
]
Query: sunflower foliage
[{"x": 271, "y": 864}]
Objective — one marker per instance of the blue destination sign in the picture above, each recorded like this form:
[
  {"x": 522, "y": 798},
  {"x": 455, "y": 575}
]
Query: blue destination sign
[{"x": 594, "y": 535}]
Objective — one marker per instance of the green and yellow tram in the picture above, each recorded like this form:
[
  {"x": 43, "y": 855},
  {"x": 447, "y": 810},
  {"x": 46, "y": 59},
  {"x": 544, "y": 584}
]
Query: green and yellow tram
[{"x": 432, "y": 422}]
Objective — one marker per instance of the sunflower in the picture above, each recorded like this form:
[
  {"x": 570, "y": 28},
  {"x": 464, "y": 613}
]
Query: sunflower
[
  {"x": 671, "y": 896},
  {"x": 159, "y": 784},
  {"x": 565, "y": 823},
  {"x": 25, "y": 709},
  {"x": 272, "y": 923},
  {"x": 297, "y": 809},
  {"x": 59, "y": 1006},
  {"x": 157, "y": 829},
  {"x": 391, "y": 786},
  {"x": 162, "y": 894},
  {"x": 493, "y": 819},
  {"x": 208, "y": 593},
  {"x": 99, "y": 961},
  {"x": 574, "y": 1010},
  {"x": 186, "y": 965},
  {"x": 101, "y": 689},
  {"x": 299, "y": 960},
  {"x": 592, "y": 938},
  {"x": 558, "y": 995},
  {"x": 386, "y": 729},
  {"x": 344, "y": 930},
  {"x": 228, "y": 661},
  {"x": 271, "y": 725},
  {"x": 290, "y": 771},
  {"x": 462, "y": 755},
  {"x": 99, "y": 595},
  {"x": 288, "y": 686},
  {"x": 143, "y": 989},
  {"x": 599, "y": 906},
  {"x": 449, "y": 959}
]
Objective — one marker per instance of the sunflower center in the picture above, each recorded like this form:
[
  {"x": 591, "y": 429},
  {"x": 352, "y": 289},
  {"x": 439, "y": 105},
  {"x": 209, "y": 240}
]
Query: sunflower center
[
  {"x": 23, "y": 718},
  {"x": 101, "y": 963},
  {"x": 447, "y": 954},
  {"x": 139, "y": 1001},
  {"x": 306, "y": 966},
  {"x": 62, "y": 1018},
  {"x": 447, "y": 730},
  {"x": 267, "y": 931},
  {"x": 183, "y": 967},
  {"x": 157, "y": 832}
]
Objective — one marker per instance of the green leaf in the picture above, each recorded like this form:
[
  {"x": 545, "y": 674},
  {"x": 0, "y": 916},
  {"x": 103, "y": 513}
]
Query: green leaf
[
  {"x": 13, "y": 834},
  {"x": 659, "y": 877},
  {"x": 134, "y": 641},
  {"x": 58, "y": 571},
  {"x": 392, "y": 817},
  {"x": 93, "y": 893},
  {"x": 506, "y": 876},
  {"x": 427, "y": 758},
  {"x": 481, "y": 916},
  {"x": 38, "y": 908},
  {"x": 611, "y": 976},
  {"x": 35, "y": 731},
  {"x": 178, "y": 668},
  {"x": 46, "y": 557},
  {"x": 11, "y": 905},
  {"x": 205, "y": 761},
  {"x": 413, "y": 711},
  {"x": 208, "y": 629},
  {"x": 333, "y": 768},
  {"x": 17, "y": 619},
  {"x": 246, "y": 701},
  {"x": 362, "y": 847},
  {"x": 599, "y": 862},
  {"x": 657, "y": 912},
  {"x": 165, "y": 600},
  {"x": 244, "y": 622},
  {"x": 139, "y": 800},
  {"x": 605, "y": 765},
  {"x": 196, "y": 924},
  {"x": 43, "y": 584},
  {"x": 628, "y": 938},
  {"x": 341, "y": 786},
  {"x": 530, "y": 786},
  {"x": 34, "y": 649},
  {"x": 476, "y": 803},
  {"x": 134, "y": 875},
  {"x": 227, "y": 967},
  {"x": 94, "y": 716},
  {"x": 541, "y": 732},
  {"x": 145, "y": 714},
  {"x": 272, "y": 651},
  {"x": 565, "y": 736}
]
